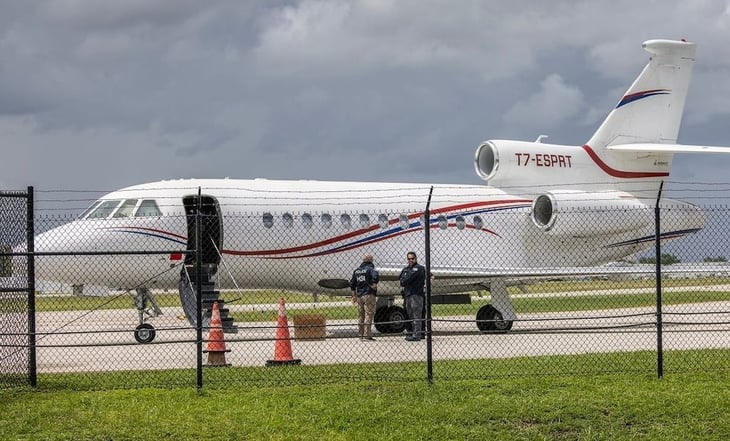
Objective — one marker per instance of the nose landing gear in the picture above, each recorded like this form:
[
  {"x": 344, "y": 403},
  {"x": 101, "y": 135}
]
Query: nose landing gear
[{"x": 147, "y": 307}]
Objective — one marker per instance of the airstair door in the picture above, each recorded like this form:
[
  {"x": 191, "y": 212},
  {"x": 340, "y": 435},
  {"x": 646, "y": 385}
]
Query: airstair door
[{"x": 211, "y": 239}]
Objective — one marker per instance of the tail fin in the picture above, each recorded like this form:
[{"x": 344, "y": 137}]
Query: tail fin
[{"x": 651, "y": 110}]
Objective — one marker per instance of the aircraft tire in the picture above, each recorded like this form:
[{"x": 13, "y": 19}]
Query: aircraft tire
[
  {"x": 490, "y": 319},
  {"x": 390, "y": 319},
  {"x": 144, "y": 333},
  {"x": 381, "y": 315},
  {"x": 397, "y": 316}
]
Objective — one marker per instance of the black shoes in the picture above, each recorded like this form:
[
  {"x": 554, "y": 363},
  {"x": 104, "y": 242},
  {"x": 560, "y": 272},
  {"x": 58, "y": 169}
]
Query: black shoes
[{"x": 413, "y": 338}]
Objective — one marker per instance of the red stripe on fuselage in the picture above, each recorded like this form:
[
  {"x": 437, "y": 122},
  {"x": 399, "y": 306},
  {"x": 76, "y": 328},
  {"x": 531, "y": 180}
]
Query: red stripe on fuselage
[
  {"x": 620, "y": 173},
  {"x": 371, "y": 228}
]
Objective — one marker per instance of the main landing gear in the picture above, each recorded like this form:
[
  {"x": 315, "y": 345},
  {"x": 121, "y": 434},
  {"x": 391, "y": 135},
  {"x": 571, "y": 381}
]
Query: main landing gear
[
  {"x": 390, "y": 319},
  {"x": 495, "y": 317},
  {"x": 490, "y": 319},
  {"x": 393, "y": 319}
]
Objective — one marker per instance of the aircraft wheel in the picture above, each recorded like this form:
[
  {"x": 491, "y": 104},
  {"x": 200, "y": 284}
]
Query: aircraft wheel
[
  {"x": 490, "y": 319},
  {"x": 397, "y": 316},
  {"x": 144, "y": 333},
  {"x": 381, "y": 315}
]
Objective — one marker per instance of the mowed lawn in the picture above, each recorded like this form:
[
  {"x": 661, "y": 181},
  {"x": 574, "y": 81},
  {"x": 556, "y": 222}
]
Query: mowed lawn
[{"x": 519, "y": 403}]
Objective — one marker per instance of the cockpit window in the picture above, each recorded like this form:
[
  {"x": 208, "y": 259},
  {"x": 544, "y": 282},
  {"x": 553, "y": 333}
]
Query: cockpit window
[
  {"x": 148, "y": 207},
  {"x": 89, "y": 210},
  {"x": 103, "y": 210},
  {"x": 126, "y": 209}
]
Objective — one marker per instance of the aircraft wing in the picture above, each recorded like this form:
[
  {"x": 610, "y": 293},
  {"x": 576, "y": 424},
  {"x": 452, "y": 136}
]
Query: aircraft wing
[
  {"x": 464, "y": 277},
  {"x": 669, "y": 148},
  {"x": 445, "y": 273}
]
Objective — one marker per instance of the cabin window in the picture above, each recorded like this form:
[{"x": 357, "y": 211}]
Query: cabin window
[
  {"x": 307, "y": 220},
  {"x": 148, "y": 208},
  {"x": 460, "y": 222},
  {"x": 126, "y": 209},
  {"x": 364, "y": 221},
  {"x": 383, "y": 221},
  {"x": 268, "y": 219},
  {"x": 443, "y": 222},
  {"x": 478, "y": 223},
  {"x": 326, "y": 220},
  {"x": 404, "y": 222},
  {"x": 346, "y": 221},
  {"x": 288, "y": 220},
  {"x": 103, "y": 210}
]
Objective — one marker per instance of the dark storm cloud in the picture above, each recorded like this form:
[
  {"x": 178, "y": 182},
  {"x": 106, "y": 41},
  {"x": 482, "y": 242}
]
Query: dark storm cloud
[{"x": 304, "y": 89}]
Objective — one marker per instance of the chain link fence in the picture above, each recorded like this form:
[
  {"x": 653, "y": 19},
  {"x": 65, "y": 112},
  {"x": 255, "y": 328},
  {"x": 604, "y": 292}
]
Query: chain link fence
[
  {"x": 17, "y": 338},
  {"x": 116, "y": 303}
]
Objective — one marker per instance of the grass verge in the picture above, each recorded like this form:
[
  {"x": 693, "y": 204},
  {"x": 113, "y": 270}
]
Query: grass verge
[{"x": 515, "y": 401}]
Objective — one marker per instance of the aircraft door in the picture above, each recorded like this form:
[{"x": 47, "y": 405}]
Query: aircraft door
[{"x": 211, "y": 230}]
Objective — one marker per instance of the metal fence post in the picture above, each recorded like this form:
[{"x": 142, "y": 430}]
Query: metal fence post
[
  {"x": 198, "y": 290},
  {"x": 429, "y": 348},
  {"x": 30, "y": 234},
  {"x": 658, "y": 266}
]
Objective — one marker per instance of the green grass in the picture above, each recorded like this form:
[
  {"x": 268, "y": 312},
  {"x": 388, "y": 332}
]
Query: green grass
[
  {"x": 523, "y": 305},
  {"x": 602, "y": 284},
  {"x": 611, "y": 301},
  {"x": 516, "y": 400},
  {"x": 531, "y": 302},
  {"x": 123, "y": 300}
]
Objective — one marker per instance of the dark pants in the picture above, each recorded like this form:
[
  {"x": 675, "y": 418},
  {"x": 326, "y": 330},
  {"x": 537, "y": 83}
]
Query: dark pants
[{"x": 414, "y": 309}]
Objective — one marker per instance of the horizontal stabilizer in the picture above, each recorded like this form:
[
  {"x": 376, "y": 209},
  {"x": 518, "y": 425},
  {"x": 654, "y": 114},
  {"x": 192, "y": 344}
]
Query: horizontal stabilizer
[{"x": 669, "y": 148}]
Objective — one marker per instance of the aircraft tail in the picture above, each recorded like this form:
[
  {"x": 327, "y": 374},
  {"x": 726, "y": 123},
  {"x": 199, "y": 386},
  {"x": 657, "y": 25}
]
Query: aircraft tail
[
  {"x": 651, "y": 110},
  {"x": 631, "y": 151}
]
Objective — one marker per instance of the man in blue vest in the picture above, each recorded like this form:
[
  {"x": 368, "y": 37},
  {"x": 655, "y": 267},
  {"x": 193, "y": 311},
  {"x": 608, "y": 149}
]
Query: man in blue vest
[
  {"x": 412, "y": 279},
  {"x": 364, "y": 286}
]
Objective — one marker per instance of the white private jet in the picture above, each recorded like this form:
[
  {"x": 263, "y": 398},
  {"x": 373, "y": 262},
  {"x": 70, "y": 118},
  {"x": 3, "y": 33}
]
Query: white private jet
[{"x": 537, "y": 217}]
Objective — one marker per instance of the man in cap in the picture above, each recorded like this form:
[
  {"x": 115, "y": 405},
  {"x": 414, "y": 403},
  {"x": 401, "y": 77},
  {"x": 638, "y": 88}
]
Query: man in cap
[{"x": 364, "y": 286}]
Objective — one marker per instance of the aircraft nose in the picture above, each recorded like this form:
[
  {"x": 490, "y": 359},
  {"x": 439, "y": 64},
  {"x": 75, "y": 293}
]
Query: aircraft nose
[{"x": 50, "y": 241}]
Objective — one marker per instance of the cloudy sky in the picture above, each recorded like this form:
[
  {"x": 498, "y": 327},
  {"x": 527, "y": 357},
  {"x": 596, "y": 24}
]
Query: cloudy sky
[{"x": 97, "y": 95}]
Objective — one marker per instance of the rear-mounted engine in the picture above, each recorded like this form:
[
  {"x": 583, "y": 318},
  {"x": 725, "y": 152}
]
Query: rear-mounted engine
[{"x": 578, "y": 213}]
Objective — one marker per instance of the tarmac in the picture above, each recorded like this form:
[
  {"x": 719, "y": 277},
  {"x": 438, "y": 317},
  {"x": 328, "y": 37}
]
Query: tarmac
[{"x": 102, "y": 340}]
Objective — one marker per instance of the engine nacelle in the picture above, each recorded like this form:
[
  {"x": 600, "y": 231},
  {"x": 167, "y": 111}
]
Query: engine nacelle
[
  {"x": 523, "y": 164},
  {"x": 486, "y": 160},
  {"x": 579, "y": 213}
]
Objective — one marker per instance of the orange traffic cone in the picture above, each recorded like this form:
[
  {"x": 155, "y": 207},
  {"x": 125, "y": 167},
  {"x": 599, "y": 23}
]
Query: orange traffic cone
[
  {"x": 282, "y": 347},
  {"x": 216, "y": 344}
]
